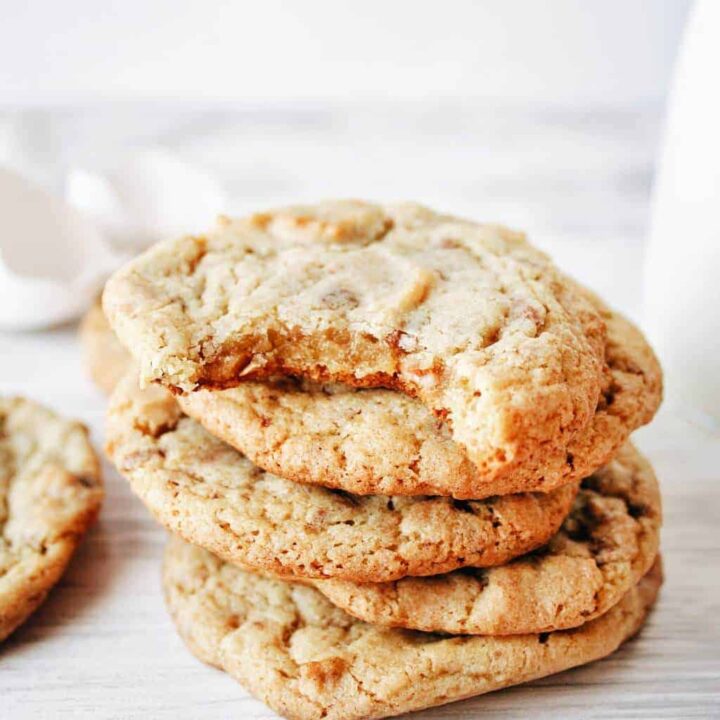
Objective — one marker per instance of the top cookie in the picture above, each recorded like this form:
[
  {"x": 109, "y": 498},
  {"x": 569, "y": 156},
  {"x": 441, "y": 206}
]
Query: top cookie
[
  {"x": 470, "y": 319},
  {"x": 50, "y": 492}
]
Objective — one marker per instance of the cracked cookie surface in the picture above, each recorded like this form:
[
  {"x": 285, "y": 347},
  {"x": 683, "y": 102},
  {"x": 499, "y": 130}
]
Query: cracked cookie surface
[
  {"x": 470, "y": 319},
  {"x": 207, "y": 492},
  {"x": 50, "y": 493},
  {"x": 606, "y": 544},
  {"x": 307, "y": 659}
]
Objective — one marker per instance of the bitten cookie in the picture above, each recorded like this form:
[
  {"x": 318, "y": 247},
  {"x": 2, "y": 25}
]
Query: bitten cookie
[
  {"x": 375, "y": 441},
  {"x": 50, "y": 493},
  {"x": 294, "y": 650},
  {"x": 208, "y": 493},
  {"x": 470, "y": 319},
  {"x": 382, "y": 441},
  {"x": 606, "y": 544}
]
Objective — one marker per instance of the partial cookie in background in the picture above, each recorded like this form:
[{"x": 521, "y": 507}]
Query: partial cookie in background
[
  {"x": 381, "y": 441},
  {"x": 607, "y": 543},
  {"x": 470, "y": 319},
  {"x": 306, "y": 659},
  {"x": 105, "y": 358},
  {"x": 50, "y": 493},
  {"x": 208, "y": 493}
]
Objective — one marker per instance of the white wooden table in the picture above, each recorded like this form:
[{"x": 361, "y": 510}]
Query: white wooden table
[{"x": 102, "y": 646}]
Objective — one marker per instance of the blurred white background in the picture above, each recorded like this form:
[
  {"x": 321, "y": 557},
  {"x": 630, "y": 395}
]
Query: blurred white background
[
  {"x": 544, "y": 116},
  {"x": 567, "y": 51}
]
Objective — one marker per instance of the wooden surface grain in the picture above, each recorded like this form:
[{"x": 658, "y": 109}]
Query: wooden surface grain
[{"x": 102, "y": 646}]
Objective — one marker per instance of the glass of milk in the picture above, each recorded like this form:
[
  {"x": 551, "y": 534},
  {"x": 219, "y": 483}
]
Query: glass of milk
[{"x": 682, "y": 273}]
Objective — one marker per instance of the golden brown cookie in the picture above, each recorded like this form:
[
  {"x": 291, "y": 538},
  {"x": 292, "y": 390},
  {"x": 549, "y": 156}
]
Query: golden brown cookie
[
  {"x": 207, "y": 492},
  {"x": 606, "y": 544},
  {"x": 294, "y": 650},
  {"x": 470, "y": 319},
  {"x": 382, "y": 441},
  {"x": 50, "y": 493}
]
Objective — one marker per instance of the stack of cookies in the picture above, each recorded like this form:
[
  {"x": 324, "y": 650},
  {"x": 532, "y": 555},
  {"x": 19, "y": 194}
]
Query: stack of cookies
[{"x": 392, "y": 448}]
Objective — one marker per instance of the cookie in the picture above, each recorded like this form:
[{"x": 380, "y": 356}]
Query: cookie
[
  {"x": 470, "y": 319},
  {"x": 381, "y": 441},
  {"x": 374, "y": 441},
  {"x": 211, "y": 495},
  {"x": 606, "y": 544},
  {"x": 50, "y": 493},
  {"x": 104, "y": 356},
  {"x": 294, "y": 650}
]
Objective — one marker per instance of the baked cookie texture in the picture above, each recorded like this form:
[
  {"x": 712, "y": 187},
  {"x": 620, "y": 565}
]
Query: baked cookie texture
[
  {"x": 370, "y": 441},
  {"x": 103, "y": 354},
  {"x": 607, "y": 543},
  {"x": 470, "y": 319},
  {"x": 211, "y": 495},
  {"x": 306, "y": 659},
  {"x": 50, "y": 493},
  {"x": 377, "y": 441}
]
